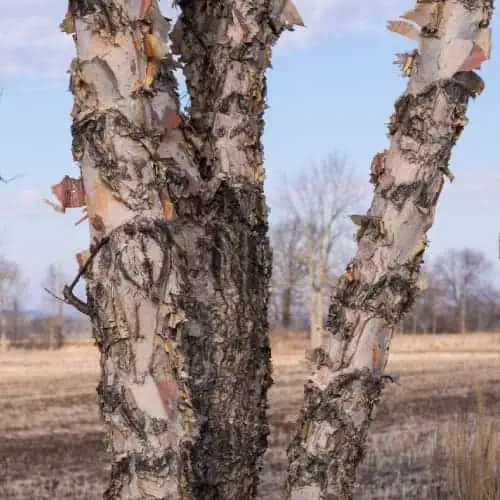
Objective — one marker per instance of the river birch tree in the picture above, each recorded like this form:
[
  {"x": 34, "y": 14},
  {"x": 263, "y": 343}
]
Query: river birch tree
[
  {"x": 383, "y": 279},
  {"x": 179, "y": 262}
]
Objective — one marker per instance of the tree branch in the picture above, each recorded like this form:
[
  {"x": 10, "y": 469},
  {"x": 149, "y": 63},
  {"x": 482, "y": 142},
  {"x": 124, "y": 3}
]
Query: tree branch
[{"x": 69, "y": 297}]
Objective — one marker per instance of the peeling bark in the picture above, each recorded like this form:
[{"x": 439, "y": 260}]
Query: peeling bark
[
  {"x": 383, "y": 279},
  {"x": 179, "y": 265}
]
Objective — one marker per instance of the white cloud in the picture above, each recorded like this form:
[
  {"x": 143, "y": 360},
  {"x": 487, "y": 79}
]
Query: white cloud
[
  {"x": 31, "y": 43},
  {"x": 21, "y": 203}
]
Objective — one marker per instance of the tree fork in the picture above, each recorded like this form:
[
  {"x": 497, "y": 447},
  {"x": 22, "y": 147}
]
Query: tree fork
[
  {"x": 383, "y": 279},
  {"x": 178, "y": 294}
]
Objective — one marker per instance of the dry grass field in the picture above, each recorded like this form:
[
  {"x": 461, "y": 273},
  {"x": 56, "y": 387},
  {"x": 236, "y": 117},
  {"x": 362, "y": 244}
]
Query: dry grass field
[{"x": 52, "y": 442}]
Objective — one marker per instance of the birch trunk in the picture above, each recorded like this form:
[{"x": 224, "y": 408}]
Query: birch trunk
[
  {"x": 178, "y": 281},
  {"x": 382, "y": 281}
]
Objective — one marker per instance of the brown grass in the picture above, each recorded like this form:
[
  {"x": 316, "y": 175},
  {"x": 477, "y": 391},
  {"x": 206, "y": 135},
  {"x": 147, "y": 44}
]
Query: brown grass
[
  {"x": 52, "y": 440},
  {"x": 284, "y": 341},
  {"x": 473, "y": 456}
]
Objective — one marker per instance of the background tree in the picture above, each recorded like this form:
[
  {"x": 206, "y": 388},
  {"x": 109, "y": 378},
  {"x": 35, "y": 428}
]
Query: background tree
[
  {"x": 457, "y": 277},
  {"x": 289, "y": 270},
  {"x": 462, "y": 273},
  {"x": 383, "y": 279},
  {"x": 317, "y": 203},
  {"x": 10, "y": 284}
]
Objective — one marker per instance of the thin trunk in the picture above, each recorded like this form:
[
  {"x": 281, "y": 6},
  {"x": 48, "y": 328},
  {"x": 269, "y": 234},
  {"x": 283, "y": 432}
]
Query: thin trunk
[
  {"x": 178, "y": 284},
  {"x": 286, "y": 318},
  {"x": 383, "y": 279},
  {"x": 59, "y": 330},
  {"x": 15, "y": 321},
  {"x": 434, "y": 320},
  {"x": 433, "y": 298},
  {"x": 4, "y": 341},
  {"x": 462, "y": 315}
]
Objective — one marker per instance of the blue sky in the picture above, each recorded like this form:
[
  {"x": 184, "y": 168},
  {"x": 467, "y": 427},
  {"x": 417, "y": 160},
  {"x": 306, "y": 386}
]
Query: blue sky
[{"x": 332, "y": 87}]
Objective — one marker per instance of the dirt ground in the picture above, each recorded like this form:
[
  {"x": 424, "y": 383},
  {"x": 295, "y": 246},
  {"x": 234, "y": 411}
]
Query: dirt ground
[{"x": 52, "y": 442}]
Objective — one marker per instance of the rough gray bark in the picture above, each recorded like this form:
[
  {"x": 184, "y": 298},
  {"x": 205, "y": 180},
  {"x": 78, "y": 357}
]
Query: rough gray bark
[
  {"x": 178, "y": 270},
  {"x": 382, "y": 281}
]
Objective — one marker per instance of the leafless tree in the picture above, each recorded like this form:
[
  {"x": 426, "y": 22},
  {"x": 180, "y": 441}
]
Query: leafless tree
[
  {"x": 428, "y": 308},
  {"x": 439, "y": 308},
  {"x": 462, "y": 274},
  {"x": 383, "y": 279},
  {"x": 318, "y": 202},
  {"x": 288, "y": 267},
  {"x": 485, "y": 306}
]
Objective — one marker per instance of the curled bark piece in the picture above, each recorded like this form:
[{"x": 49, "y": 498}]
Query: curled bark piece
[
  {"x": 56, "y": 206},
  {"x": 70, "y": 193},
  {"x": 290, "y": 15},
  {"x": 449, "y": 174},
  {"x": 82, "y": 258},
  {"x": 378, "y": 166},
  {"x": 474, "y": 59},
  {"x": 68, "y": 23},
  {"x": 83, "y": 218},
  {"x": 420, "y": 15},
  {"x": 145, "y": 6},
  {"x": 471, "y": 81},
  {"x": 403, "y": 28}
]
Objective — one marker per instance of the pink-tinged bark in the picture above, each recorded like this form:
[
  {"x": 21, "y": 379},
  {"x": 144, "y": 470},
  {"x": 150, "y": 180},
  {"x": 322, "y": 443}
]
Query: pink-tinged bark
[{"x": 383, "y": 279}]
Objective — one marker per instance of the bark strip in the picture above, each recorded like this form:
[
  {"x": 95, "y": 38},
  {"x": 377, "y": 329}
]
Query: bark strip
[
  {"x": 383, "y": 279},
  {"x": 225, "y": 48}
]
